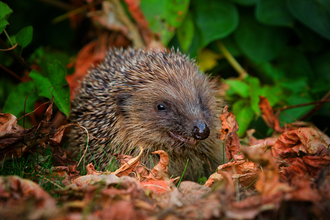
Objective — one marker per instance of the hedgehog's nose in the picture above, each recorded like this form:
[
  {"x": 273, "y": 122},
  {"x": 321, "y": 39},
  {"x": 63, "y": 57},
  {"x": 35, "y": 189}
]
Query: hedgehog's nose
[{"x": 201, "y": 131}]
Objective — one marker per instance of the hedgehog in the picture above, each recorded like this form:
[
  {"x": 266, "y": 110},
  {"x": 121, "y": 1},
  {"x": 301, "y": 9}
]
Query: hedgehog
[{"x": 154, "y": 100}]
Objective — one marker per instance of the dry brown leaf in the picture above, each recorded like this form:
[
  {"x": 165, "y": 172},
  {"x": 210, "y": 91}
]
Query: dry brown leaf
[
  {"x": 228, "y": 133},
  {"x": 301, "y": 140}
]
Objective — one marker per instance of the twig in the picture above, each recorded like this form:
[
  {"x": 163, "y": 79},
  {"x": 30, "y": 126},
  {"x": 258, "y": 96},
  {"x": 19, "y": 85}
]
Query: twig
[
  {"x": 58, "y": 4},
  {"x": 75, "y": 12},
  {"x": 11, "y": 48},
  {"x": 11, "y": 72},
  {"x": 16, "y": 56},
  {"x": 34, "y": 110},
  {"x": 232, "y": 61},
  {"x": 121, "y": 14},
  {"x": 302, "y": 105},
  {"x": 317, "y": 107}
]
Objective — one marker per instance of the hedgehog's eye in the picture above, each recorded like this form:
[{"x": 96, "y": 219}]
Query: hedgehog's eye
[{"x": 161, "y": 107}]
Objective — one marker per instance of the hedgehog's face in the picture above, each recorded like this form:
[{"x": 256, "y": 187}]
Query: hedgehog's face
[{"x": 178, "y": 115}]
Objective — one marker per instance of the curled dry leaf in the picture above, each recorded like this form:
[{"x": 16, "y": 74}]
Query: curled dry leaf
[
  {"x": 302, "y": 140},
  {"x": 228, "y": 133},
  {"x": 159, "y": 172},
  {"x": 246, "y": 172},
  {"x": 128, "y": 167},
  {"x": 24, "y": 199},
  {"x": 10, "y": 131}
]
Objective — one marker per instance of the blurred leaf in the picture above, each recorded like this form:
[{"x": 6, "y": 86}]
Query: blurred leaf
[
  {"x": 185, "y": 33},
  {"x": 3, "y": 24},
  {"x": 195, "y": 44},
  {"x": 297, "y": 86},
  {"x": 320, "y": 86},
  {"x": 255, "y": 92},
  {"x": 24, "y": 37},
  {"x": 215, "y": 19},
  {"x": 42, "y": 83},
  {"x": 60, "y": 87},
  {"x": 313, "y": 13},
  {"x": 273, "y": 12},
  {"x": 244, "y": 115},
  {"x": 321, "y": 65},
  {"x": 164, "y": 16},
  {"x": 259, "y": 42},
  {"x": 245, "y": 2},
  {"x": 269, "y": 70},
  {"x": 272, "y": 93},
  {"x": 207, "y": 59},
  {"x": 241, "y": 88},
  {"x": 295, "y": 64},
  {"x": 5, "y": 11},
  {"x": 15, "y": 101}
]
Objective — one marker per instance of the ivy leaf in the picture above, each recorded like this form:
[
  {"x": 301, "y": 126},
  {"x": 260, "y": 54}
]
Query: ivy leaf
[
  {"x": 56, "y": 83},
  {"x": 16, "y": 99},
  {"x": 24, "y": 37},
  {"x": 215, "y": 19},
  {"x": 5, "y": 11},
  {"x": 3, "y": 25},
  {"x": 43, "y": 84}
]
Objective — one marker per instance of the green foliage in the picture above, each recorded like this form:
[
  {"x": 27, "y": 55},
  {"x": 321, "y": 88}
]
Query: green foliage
[
  {"x": 283, "y": 45},
  {"x": 5, "y": 11},
  {"x": 16, "y": 99},
  {"x": 51, "y": 84},
  {"x": 55, "y": 85},
  {"x": 215, "y": 19},
  {"x": 164, "y": 16},
  {"x": 24, "y": 37},
  {"x": 313, "y": 13}
]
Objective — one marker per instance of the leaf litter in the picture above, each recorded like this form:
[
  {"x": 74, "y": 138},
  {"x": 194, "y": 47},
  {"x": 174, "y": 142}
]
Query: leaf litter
[{"x": 286, "y": 171}]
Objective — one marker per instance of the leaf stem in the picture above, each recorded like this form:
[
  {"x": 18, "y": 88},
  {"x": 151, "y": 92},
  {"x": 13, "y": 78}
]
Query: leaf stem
[
  {"x": 16, "y": 56},
  {"x": 8, "y": 37},
  {"x": 232, "y": 61}
]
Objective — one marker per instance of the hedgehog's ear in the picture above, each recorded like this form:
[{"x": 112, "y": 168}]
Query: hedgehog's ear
[{"x": 122, "y": 100}]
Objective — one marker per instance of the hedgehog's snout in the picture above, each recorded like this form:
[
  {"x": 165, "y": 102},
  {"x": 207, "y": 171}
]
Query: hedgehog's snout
[{"x": 201, "y": 131}]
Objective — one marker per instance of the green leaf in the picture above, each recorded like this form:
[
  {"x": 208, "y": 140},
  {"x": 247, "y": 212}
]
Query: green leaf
[
  {"x": 3, "y": 24},
  {"x": 60, "y": 87},
  {"x": 215, "y": 19},
  {"x": 273, "y": 12},
  {"x": 43, "y": 84},
  {"x": 56, "y": 84},
  {"x": 255, "y": 92},
  {"x": 245, "y": 2},
  {"x": 259, "y": 42},
  {"x": 24, "y": 37},
  {"x": 244, "y": 115},
  {"x": 185, "y": 33},
  {"x": 296, "y": 63},
  {"x": 15, "y": 101},
  {"x": 313, "y": 13},
  {"x": 164, "y": 16},
  {"x": 241, "y": 88},
  {"x": 5, "y": 11}
]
